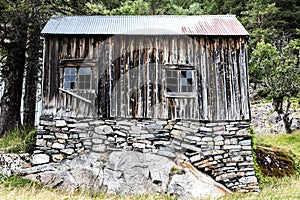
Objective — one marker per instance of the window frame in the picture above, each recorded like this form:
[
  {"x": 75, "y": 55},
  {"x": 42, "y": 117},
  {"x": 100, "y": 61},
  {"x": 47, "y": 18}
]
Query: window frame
[
  {"x": 179, "y": 93},
  {"x": 77, "y": 64}
]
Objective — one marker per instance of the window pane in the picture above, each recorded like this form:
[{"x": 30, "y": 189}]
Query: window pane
[
  {"x": 172, "y": 80},
  {"x": 189, "y": 74},
  {"x": 183, "y": 74},
  {"x": 67, "y": 85},
  {"x": 184, "y": 81},
  {"x": 84, "y": 78},
  {"x": 69, "y": 77},
  {"x": 189, "y": 88},
  {"x": 84, "y": 71}
]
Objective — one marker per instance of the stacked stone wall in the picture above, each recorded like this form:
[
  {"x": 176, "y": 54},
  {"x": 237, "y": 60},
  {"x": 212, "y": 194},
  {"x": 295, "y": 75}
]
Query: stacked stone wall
[{"x": 221, "y": 149}]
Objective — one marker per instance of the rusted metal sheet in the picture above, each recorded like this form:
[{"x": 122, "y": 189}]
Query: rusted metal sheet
[{"x": 146, "y": 25}]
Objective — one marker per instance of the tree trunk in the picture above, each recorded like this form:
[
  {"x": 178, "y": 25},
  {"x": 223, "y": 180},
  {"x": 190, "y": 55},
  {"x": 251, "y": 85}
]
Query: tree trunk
[
  {"x": 12, "y": 74},
  {"x": 286, "y": 119},
  {"x": 13, "y": 79},
  {"x": 32, "y": 75},
  {"x": 278, "y": 105}
]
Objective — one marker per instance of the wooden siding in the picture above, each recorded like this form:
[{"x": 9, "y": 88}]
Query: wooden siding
[{"x": 129, "y": 78}]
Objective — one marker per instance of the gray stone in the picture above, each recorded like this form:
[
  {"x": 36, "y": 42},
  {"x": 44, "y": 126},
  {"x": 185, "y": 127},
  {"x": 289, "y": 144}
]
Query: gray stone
[
  {"x": 147, "y": 136},
  {"x": 99, "y": 147},
  {"x": 48, "y": 137},
  {"x": 178, "y": 133},
  {"x": 247, "y": 180},
  {"x": 187, "y": 185},
  {"x": 135, "y": 130},
  {"x": 155, "y": 126},
  {"x": 74, "y": 136},
  {"x": 71, "y": 125},
  {"x": 38, "y": 159},
  {"x": 87, "y": 143},
  {"x": 100, "y": 136},
  {"x": 67, "y": 151},
  {"x": 46, "y": 123},
  {"x": 61, "y": 136},
  {"x": 219, "y": 143},
  {"x": 161, "y": 143},
  {"x": 134, "y": 172},
  {"x": 232, "y": 147},
  {"x": 207, "y": 139},
  {"x": 245, "y": 142},
  {"x": 160, "y": 122},
  {"x": 195, "y": 158},
  {"x": 97, "y": 141},
  {"x": 58, "y": 146},
  {"x": 120, "y": 140},
  {"x": 191, "y": 147},
  {"x": 120, "y": 133},
  {"x": 193, "y": 138},
  {"x": 138, "y": 145},
  {"x": 243, "y": 132},
  {"x": 82, "y": 125},
  {"x": 60, "y": 123},
  {"x": 84, "y": 135},
  {"x": 40, "y": 142},
  {"x": 124, "y": 123},
  {"x": 57, "y": 157},
  {"x": 167, "y": 154},
  {"x": 226, "y": 176},
  {"x": 206, "y": 129},
  {"x": 218, "y": 138}
]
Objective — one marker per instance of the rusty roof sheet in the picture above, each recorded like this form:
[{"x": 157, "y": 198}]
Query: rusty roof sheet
[{"x": 146, "y": 25}]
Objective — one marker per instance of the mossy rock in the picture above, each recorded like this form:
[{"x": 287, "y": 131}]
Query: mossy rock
[{"x": 275, "y": 162}]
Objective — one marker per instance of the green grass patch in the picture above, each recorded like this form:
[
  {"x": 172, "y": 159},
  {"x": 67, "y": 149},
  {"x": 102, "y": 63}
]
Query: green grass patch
[
  {"x": 288, "y": 142},
  {"x": 18, "y": 141},
  {"x": 275, "y": 189},
  {"x": 14, "y": 182}
]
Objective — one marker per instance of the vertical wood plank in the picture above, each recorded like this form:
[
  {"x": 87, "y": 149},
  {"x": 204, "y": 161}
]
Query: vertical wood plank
[
  {"x": 64, "y": 50},
  {"x": 223, "y": 66},
  {"x": 73, "y": 48},
  {"x": 139, "y": 79},
  {"x": 148, "y": 82},
  {"x": 111, "y": 77},
  {"x": 82, "y": 47},
  {"x": 204, "y": 85},
  {"x": 218, "y": 95}
]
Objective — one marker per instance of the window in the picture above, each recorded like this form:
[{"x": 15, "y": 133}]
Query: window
[
  {"x": 77, "y": 78},
  {"x": 180, "y": 82}
]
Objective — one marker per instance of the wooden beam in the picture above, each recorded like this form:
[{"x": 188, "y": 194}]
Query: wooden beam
[{"x": 75, "y": 95}]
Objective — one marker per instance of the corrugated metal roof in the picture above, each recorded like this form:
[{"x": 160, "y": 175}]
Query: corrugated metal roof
[{"x": 146, "y": 25}]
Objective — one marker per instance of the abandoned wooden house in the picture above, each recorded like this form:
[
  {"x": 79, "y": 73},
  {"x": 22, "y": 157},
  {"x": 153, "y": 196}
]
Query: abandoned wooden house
[
  {"x": 143, "y": 79},
  {"x": 146, "y": 67}
]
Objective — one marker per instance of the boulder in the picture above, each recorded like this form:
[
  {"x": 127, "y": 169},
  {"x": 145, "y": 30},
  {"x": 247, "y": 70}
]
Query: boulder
[
  {"x": 125, "y": 172},
  {"x": 134, "y": 172}
]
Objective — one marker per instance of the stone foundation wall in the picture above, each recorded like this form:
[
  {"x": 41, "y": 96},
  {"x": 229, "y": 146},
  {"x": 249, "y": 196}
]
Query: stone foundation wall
[{"x": 222, "y": 150}]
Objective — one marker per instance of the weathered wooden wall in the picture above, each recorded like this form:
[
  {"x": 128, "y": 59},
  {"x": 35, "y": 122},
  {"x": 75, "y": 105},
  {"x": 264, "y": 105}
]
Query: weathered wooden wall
[{"x": 129, "y": 76}]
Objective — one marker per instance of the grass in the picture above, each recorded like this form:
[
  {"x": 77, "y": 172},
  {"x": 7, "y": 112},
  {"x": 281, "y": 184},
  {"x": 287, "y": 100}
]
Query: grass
[
  {"x": 285, "y": 188},
  {"x": 277, "y": 189},
  {"x": 18, "y": 141},
  {"x": 288, "y": 142}
]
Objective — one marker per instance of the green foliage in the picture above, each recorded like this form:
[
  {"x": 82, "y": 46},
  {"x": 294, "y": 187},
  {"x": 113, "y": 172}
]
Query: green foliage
[
  {"x": 29, "y": 141},
  {"x": 177, "y": 170},
  {"x": 277, "y": 69},
  {"x": 137, "y": 7},
  {"x": 18, "y": 141}
]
